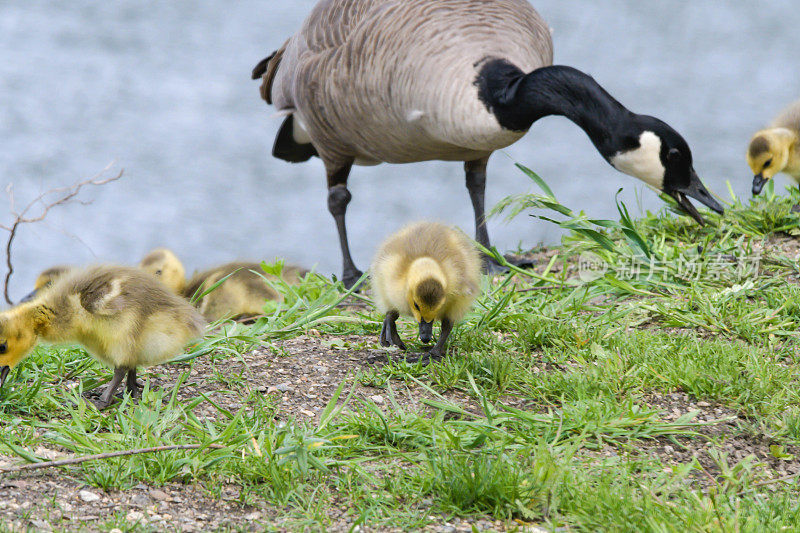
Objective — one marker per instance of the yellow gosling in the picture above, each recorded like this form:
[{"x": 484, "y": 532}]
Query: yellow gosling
[
  {"x": 242, "y": 294},
  {"x": 429, "y": 271},
  {"x": 165, "y": 265},
  {"x": 121, "y": 315},
  {"x": 45, "y": 280},
  {"x": 776, "y": 149}
]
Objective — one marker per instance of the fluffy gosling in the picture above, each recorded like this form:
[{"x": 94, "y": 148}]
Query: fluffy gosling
[
  {"x": 242, "y": 294},
  {"x": 45, "y": 280},
  {"x": 776, "y": 149},
  {"x": 429, "y": 271},
  {"x": 121, "y": 315}
]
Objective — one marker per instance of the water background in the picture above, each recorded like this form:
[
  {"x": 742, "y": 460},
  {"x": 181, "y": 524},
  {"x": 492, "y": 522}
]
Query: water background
[{"x": 164, "y": 89}]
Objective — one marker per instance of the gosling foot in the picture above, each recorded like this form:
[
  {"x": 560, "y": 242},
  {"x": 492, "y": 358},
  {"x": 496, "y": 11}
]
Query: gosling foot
[
  {"x": 389, "y": 335},
  {"x": 796, "y": 208},
  {"x": 426, "y": 357}
]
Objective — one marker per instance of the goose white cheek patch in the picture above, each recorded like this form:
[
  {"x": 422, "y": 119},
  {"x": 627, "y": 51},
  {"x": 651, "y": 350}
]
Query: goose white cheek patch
[{"x": 643, "y": 162}]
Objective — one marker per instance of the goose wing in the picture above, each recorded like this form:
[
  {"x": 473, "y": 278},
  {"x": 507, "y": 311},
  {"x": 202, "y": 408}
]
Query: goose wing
[{"x": 328, "y": 26}]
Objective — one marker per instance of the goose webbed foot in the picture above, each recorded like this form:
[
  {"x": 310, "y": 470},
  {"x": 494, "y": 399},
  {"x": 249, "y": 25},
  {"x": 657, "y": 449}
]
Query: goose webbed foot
[
  {"x": 492, "y": 267},
  {"x": 389, "y": 335},
  {"x": 350, "y": 277}
]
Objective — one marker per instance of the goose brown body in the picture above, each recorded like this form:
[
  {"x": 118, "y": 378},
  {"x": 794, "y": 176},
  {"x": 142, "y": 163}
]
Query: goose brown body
[{"x": 426, "y": 54}]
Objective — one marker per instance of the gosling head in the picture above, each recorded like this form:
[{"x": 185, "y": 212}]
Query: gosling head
[
  {"x": 166, "y": 266},
  {"x": 45, "y": 280},
  {"x": 425, "y": 294},
  {"x": 16, "y": 340},
  {"x": 768, "y": 154},
  {"x": 658, "y": 155}
]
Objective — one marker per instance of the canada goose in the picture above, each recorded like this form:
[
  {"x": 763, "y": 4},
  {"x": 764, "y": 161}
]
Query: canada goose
[
  {"x": 776, "y": 149},
  {"x": 121, "y": 315},
  {"x": 165, "y": 265},
  {"x": 45, "y": 280},
  {"x": 242, "y": 294},
  {"x": 371, "y": 81},
  {"x": 429, "y": 271}
]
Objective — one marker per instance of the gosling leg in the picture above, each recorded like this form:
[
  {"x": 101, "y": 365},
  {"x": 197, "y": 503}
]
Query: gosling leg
[
  {"x": 389, "y": 335},
  {"x": 108, "y": 393},
  {"x": 338, "y": 198},
  {"x": 438, "y": 351},
  {"x": 132, "y": 384}
]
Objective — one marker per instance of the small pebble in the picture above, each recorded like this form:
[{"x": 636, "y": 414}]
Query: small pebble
[
  {"x": 134, "y": 516},
  {"x": 378, "y": 399},
  {"x": 284, "y": 387},
  {"x": 159, "y": 495},
  {"x": 88, "y": 496}
]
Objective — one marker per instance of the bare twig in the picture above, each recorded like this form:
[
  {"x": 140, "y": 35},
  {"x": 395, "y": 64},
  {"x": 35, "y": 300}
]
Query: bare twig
[
  {"x": 78, "y": 460},
  {"x": 65, "y": 195}
]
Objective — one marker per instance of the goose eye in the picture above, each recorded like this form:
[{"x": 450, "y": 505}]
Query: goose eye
[
  {"x": 768, "y": 163},
  {"x": 158, "y": 272},
  {"x": 416, "y": 306},
  {"x": 3, "y": 347}
]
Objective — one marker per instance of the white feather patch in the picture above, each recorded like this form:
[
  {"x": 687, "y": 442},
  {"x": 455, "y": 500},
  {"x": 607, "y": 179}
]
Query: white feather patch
[
  {"x": 643, "y": 162},
  {"x": 299, "y": 132}
]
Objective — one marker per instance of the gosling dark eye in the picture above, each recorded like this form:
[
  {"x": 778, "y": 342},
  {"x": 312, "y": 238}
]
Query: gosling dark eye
[
  {"x": 3, "y": 348},
  {"x": 158, "y": 272},
  {"x": 416, "y": 306},
  {"x": 768, "y": 163}
]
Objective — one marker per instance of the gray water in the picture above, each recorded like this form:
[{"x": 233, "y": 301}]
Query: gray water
[{"x": 164, "y": 89}]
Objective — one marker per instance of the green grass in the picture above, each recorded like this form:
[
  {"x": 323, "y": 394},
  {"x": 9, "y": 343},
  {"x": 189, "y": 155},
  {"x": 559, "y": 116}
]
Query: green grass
[{"x": 561, "y": 372}]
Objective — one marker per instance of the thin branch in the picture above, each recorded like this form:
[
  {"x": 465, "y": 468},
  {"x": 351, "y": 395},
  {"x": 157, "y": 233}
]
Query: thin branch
[
  {"x": 78, "y": 460},
  {"x": 67, "y": 194}
]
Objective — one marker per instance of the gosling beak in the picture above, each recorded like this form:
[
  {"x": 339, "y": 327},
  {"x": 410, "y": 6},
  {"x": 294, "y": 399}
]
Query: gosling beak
[
  {"x": 28, "y": 297},
  {"x": 425, "y": 331},
  {"x": 696, "y": 190},
  {"x": 758, "y": 183},
  {"x": 4, "y": 370}
]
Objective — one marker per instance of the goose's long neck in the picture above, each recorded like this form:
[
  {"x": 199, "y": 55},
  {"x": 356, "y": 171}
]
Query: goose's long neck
[{"x": 518, "y": 100}]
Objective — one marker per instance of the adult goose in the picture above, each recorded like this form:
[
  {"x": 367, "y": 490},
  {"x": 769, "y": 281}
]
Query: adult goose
[{"x": 399, "y": 81}]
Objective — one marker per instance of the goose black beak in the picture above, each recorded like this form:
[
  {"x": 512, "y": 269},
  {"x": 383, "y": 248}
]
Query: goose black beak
[
  {"x": 758, "y": 183},
  {"x": 695, "y": 190},
  {"x": 28, "y": 297},
  {"x": 425, "y": 331},
  {"x": 4, "y": 370}
]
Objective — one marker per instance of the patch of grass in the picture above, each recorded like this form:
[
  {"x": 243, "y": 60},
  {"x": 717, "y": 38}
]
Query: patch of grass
[{"x": 541, "y": 413}]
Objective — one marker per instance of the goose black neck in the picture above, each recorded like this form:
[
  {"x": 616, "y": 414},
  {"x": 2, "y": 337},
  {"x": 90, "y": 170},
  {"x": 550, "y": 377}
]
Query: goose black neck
[{"x": 518, "y": 100}]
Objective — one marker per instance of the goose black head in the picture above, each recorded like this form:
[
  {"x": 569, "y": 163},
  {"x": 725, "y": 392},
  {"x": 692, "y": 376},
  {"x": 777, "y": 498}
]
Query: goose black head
[{"x": 658, "y": 155}]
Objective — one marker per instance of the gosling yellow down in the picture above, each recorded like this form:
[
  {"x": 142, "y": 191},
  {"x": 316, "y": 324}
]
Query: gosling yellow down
[
  {"x": 121, "y": 315},
  {"x": 242, "y": 294},
  {"x": 46, "y": 279},
  {"x": 429, "y": 271},
  {"x": 776, "y": 149}
]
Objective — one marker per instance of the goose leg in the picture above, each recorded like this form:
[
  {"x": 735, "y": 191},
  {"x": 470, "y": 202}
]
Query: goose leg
[
  {"x": 338, "y": 198},
  {"x": 108, "y": 393},
  {"x": 476, "y": 185},
  {"x": 389, "y": 333}
]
